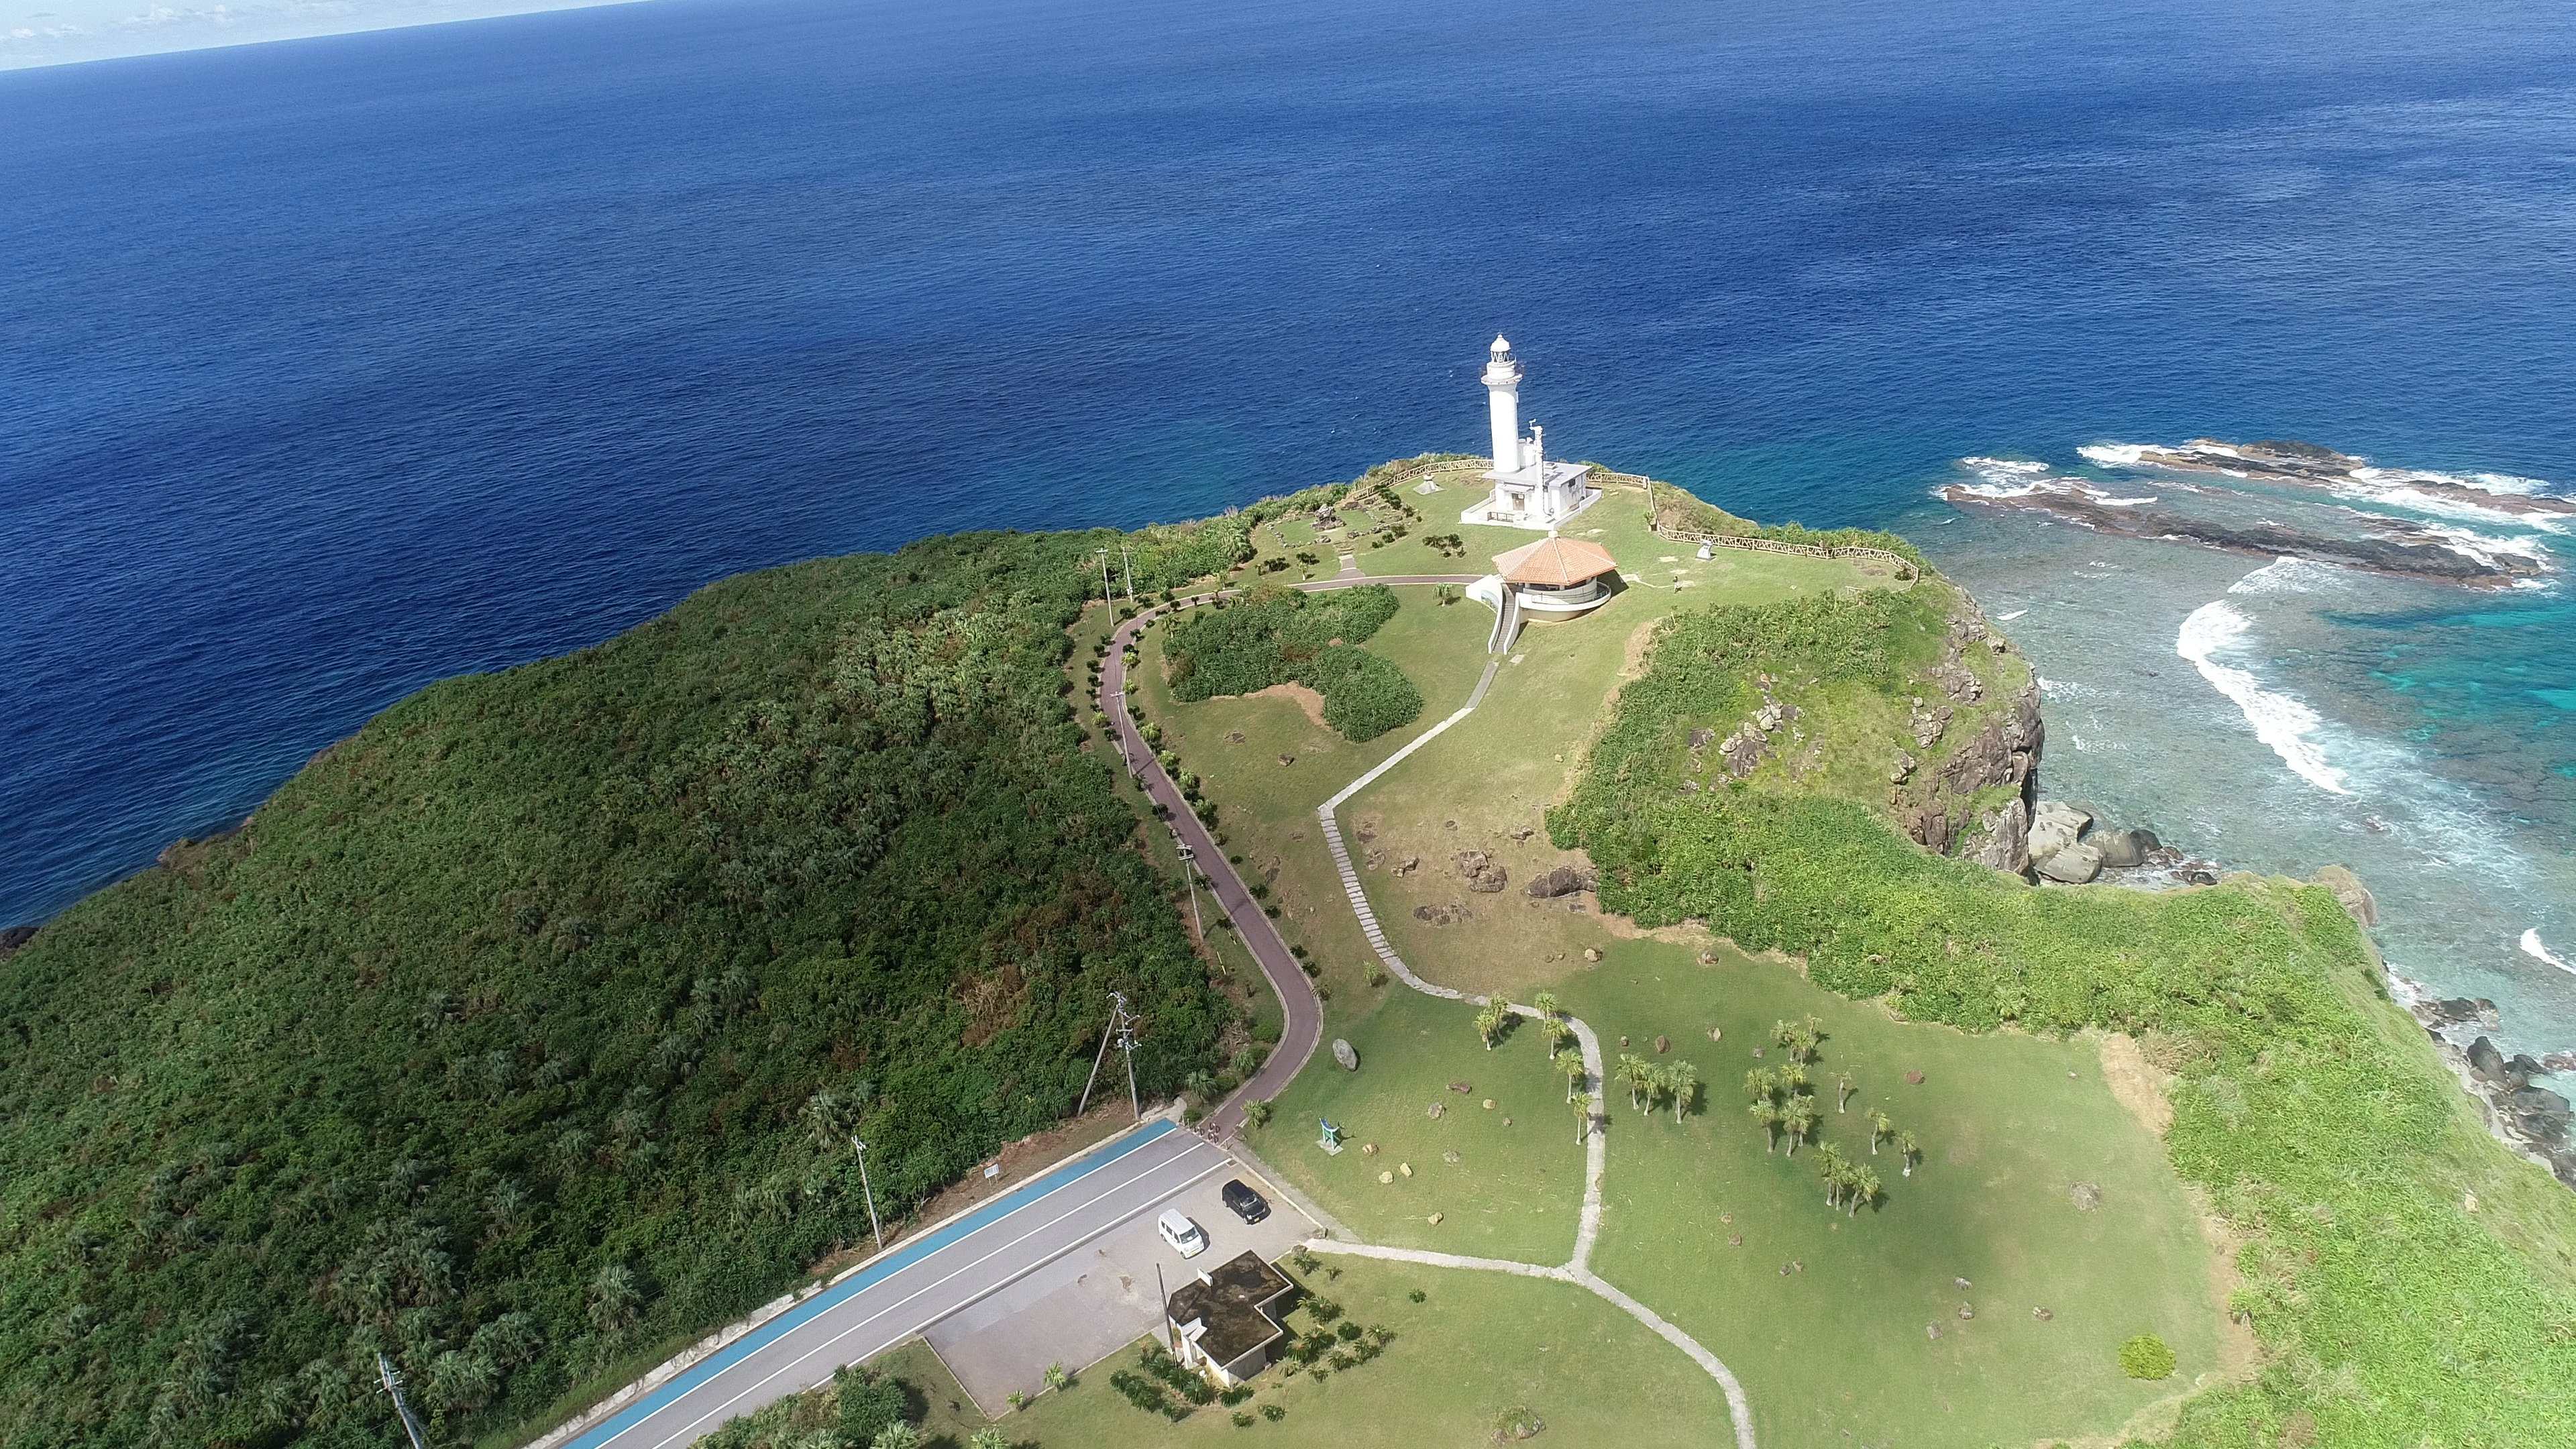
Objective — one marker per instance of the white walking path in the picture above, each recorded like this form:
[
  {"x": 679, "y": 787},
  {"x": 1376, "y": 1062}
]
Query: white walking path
[{"x": 1576, "y": 1270}]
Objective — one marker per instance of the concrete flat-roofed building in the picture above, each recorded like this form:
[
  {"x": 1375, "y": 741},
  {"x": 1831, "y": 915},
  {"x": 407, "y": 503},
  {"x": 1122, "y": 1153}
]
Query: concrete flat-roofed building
[{"x": 1227, "y": 1322}]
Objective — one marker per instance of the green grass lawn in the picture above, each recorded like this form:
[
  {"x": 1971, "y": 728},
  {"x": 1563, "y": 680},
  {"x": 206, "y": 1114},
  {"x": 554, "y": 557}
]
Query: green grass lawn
[
  {"x": 1266, "y": 809},
  {"x": 1514, "y": 1191},
  {"x": 2005, "y": 1131},
  {"x": 1294, "y": 532},
  {"x": 1479, "y": 1343}
]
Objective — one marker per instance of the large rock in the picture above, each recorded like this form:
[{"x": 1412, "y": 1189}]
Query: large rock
[
  {"x": 1565, "y": 880},
  {"x": 2055, "y": 826},
  {"x": 2003, "y": 839},
  {"x": 2348, "y": 889},
  {"x": 2122, "y": 849},
  {"x": 1343, "y": 1054},
  {"x": 2486, "y": 1061},
  {"x": 15, "y": 937},
  {"x": 2071, "y": 865},
  {"x": 1483, "y": 872}
]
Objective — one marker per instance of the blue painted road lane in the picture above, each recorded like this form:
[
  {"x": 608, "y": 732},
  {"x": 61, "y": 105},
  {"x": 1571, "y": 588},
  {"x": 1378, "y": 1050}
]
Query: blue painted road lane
[{"x": 914, "y": 1287}]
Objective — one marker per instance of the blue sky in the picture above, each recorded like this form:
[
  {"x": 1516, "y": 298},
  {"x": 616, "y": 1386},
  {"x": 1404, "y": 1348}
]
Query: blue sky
[{"x": 56, "y": 32}]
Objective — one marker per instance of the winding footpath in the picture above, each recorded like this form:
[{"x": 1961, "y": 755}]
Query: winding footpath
[{"x": 1305, "y": 1014}]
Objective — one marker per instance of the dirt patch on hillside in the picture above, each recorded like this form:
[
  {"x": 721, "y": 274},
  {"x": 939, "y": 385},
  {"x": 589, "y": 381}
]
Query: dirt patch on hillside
[
  {"x": 2137, "y": 1083},
  {"x": 1632, "y": 657},
  {"x": 1306, "y": 699}
]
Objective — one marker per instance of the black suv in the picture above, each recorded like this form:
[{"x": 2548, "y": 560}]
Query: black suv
[{"x": 1243, "y": 1202}]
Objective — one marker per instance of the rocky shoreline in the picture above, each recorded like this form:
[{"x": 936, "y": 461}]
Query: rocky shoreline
[
  {"x": 2529, "y": 1118},
  {"x": 2394, "y": 548},
  {"x": 2055, "y": 843},
  {"x": 2305, "y": 465}
]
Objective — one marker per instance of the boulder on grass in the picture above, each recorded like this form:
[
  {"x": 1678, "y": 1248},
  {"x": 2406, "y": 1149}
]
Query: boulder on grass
[{"x": 1345, "y": 1055}]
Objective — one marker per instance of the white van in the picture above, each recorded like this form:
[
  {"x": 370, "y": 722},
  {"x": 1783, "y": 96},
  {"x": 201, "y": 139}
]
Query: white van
[{"x": 1184, "y": 1236}]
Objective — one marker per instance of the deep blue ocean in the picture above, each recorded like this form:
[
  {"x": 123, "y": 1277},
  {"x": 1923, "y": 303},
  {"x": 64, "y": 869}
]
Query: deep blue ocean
[{"x": 332, "y": 367}]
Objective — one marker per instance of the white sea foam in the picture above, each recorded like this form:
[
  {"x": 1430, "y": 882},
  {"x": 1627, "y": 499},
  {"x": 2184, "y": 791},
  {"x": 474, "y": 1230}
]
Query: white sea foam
[
  {"x": 2278, "y": 720},
  {"x": 2107, "y": 501},
  {"x": 2532, "y": 947},
  {"x": 2484, "y": 547},
  {"x": 2288, "y": 574},
  {"x": 2114, "y": 455},
  {"x": 2008, "y": 618},
  {"x": 2393, "y": 490}
]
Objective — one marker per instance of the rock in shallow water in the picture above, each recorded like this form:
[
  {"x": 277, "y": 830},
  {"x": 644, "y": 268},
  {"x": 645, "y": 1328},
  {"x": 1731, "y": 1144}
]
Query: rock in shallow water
[{"x": 2072, "y": 865}]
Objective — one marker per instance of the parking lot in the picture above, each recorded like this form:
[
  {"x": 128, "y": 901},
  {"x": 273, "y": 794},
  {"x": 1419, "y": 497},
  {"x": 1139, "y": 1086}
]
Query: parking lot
[{"x": 1097, "y": 1299}]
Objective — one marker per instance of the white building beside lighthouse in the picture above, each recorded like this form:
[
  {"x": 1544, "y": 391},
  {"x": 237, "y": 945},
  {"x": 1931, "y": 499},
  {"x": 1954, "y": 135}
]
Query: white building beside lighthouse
[{"x": 1530, "y": 491}]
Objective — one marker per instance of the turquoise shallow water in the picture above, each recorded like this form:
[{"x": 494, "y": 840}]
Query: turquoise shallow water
[{"x": 334, "y": 367}]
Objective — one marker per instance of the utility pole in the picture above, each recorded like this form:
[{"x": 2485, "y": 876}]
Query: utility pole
[
  {"x": 1190, "y": 873},
  {"x": 393, "y": 1385},
  {"x": 1105, "y": 596},
  {"x": 1163, "y": 1307},
  {"x": 1131, "y": 572},
  {"x": 873, "y": 1225},
  {"x": 1117, "y": 1014},
  {"x": 1127, "y": 1044}
]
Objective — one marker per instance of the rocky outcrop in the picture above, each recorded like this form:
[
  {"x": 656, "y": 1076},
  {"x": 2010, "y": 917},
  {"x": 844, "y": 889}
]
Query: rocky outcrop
[
  {"x": 1483, "y": 872},
  {"x": 2347, "y": 888},
  {"x": 2072, "y": 864},
  {"x": 1565, "y": 880},
  {"x": 14, "y": 937},
  {"x": 2125, "y": 849},
  {"x": 2003, "y": 838},
  {"x": 2395, "y": 547},
  {"x": 2056, "y": 826},
  {"x": 2529, "y": 1118}
]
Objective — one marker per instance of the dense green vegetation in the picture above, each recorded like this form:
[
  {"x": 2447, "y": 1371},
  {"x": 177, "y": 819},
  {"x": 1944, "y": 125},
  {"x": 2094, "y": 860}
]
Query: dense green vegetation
[
  {"x": 1280, "y": 636},
  {"x": 2392, "y": 1309},
  {"x": 1677, "y": 511},
  {"x": 522, "y": 1033}
]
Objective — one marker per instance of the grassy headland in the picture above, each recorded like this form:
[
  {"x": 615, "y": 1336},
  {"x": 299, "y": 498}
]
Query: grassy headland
[{"x": 2408, "y": 1278}]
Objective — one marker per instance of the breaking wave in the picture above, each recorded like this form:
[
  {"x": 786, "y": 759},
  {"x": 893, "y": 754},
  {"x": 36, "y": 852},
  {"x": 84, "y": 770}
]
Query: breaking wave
[
  {"x": 2278, "y": 720},
  {"x": 2532, "y": 947}
]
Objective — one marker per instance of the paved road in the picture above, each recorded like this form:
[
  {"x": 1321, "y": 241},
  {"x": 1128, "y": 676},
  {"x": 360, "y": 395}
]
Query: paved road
[
  {"x": 915, "y": 1287},
  {"x": 1305, "y": 1015}
]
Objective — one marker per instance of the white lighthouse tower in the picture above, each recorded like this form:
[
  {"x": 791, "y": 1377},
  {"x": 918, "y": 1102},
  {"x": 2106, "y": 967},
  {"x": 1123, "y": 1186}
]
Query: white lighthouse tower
[{"x": 1529, "y": 491}]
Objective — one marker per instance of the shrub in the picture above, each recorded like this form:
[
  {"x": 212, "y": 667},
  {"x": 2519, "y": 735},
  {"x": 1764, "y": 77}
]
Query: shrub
[
  {"x": 868, "y": 1404},
  {"x": 1242, "y": 1419},
  {"x": 1280, "y": 637},
  {"x": 1273, "y": 1413},
  {"x": 2146, "y": 1357},
  {"x": 1235, "y": 1395},
  {"x": 1348, "y": 1330}
]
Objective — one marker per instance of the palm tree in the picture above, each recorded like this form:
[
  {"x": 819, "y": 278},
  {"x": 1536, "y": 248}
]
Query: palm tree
[
  {"x": 1864, "y": 1189},
  {"x": 1879, "y": 1127},
  {"x": 1758, "y": 1085},
  {"x": 1792, "y": 1079},
  {"x": 1637, "y": 1075},
  {"x": 1576, "y": 1074},
  {"x": 1489, "y": 1021},
  {"x": 1681, "y": 1079},
  {"x": 1905, "y": 1151},
  {"x": 988, "y": 1437},
  {"x": 1836, "y": 1172},
  {"x": 1545, "y": 1005},
  {"x": 1768, "y": 1113},
  {"x": 897, "y": 1435},
  {"x": 1801, "y": 1122},
  {"x": 1582, "y": 1115},
  {"x": 1842, "y": 1091}
]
